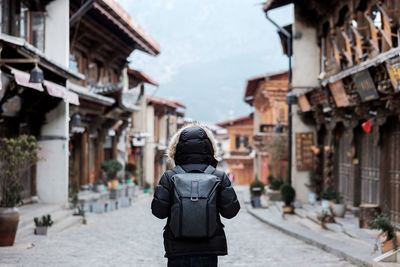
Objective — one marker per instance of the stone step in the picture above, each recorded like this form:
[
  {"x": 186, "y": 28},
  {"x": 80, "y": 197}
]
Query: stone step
[{"x": 27, "y": 227}]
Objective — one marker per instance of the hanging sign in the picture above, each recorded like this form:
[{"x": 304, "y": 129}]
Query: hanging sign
[
  {"x": 365, "y": 86},
  {"x": 339, "y": 94},
  {"x": 304, "y": 153},
  {"x": 303, "y": 103},
  {"x": 393, "y": 68}
]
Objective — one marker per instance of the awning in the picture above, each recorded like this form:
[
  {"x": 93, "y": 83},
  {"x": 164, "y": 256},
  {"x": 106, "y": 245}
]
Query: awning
[
  {"x": 22, "y": 79},
  {"x": 61, "y": 92},
  {"x": 53, "y": 89}
]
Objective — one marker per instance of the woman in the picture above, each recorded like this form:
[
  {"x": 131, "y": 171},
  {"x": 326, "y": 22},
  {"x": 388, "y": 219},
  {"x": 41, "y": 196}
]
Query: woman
[{"x": 194, "y": 148}]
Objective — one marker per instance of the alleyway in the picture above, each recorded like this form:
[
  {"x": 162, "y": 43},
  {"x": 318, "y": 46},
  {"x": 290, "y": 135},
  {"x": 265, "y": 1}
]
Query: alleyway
[{"x": 132, "y": 237}]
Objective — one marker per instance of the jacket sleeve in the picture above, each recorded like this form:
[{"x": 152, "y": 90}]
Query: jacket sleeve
[
  {"x": 228, "y": 204},
  {"x": 160, "y": 206}
]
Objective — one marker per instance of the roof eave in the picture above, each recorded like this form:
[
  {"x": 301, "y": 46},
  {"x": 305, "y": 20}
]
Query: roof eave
[{"x": 45, "y": 61}]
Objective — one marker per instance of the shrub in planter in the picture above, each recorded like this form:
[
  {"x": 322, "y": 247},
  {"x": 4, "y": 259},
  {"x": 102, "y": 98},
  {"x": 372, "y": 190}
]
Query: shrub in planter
[
  {"x": 17, "y": 155},
  {"x": 338, "y": 208},
  {"x": 111, "y": 168},
  {"x": 257, "y": 187},
  {"x": 275, "y": 184},
  {"x": 99, "y": 185},
  {"x": 382, "y": 222},
  {"x": 311, "y": 185},
  {"x": 147, "y": 187},
  {"x": 288, "y": 195},
  {"x": 327, "y": 197},
  {"x": 42, "y": 224}
]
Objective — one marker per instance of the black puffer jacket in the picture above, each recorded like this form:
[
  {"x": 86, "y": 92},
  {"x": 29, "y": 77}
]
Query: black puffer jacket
[{"x": 193, "y": 149}]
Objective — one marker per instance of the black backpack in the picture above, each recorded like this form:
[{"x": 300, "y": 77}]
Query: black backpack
[{"x": 194, "y": 209}]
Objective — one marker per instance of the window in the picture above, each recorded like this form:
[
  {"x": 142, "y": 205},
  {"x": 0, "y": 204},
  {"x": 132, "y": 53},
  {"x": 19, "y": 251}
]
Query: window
[
  {"x": 73, "y": 63},
  {"x": 237, "y": 142},
  {"x": 18, "y": 20},
  {"x": 36, "y": 33}
]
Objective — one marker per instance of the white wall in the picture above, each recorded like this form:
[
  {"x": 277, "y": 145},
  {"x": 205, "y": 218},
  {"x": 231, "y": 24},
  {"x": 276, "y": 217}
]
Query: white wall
[
  {"x": 149, "y": 146},
  {"x": 52, "y": 172},
  {"x": 306, "y": 58},
  {"x": 57, "y": 31}
]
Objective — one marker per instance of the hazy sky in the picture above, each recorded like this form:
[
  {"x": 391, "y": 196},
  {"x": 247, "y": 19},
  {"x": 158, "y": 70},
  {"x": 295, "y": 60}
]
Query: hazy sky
[{"x": 209, "y": 50}]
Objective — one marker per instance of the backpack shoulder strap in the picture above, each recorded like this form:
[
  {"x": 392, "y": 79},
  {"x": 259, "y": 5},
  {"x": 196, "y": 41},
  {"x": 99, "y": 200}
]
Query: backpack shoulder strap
[
  {"x": 209, "y": 170},
  {"x": 178, "y": 169}
]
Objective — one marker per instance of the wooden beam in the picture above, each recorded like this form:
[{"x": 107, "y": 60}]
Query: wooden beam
[
  {"x": 347, "y": 49},
  {"x": 81, "y": 11},
  {"x": 358, "y": 48},
  {"x": 372, "y": 31},
  {"x": 386, "y": 30}
]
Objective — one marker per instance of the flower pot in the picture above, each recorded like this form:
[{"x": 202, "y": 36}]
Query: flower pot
[
  {"x": 274, "y": 195},
  {"x": 9, "y": 218},
  {"x": 114, "y": 184},
  {"x": 312, "y": 198},
  {"x": 41, "y": 230},
  {"x": 287, "y": 209},
  {"x": 99, "y": 188},
  {"x": 338, "y": 210},
  {"x": 256, "y": 202},
  {"x": 388, "y": 245},
  {"x": 325, "y": 204},
  {"x": 256, "y": 191}
]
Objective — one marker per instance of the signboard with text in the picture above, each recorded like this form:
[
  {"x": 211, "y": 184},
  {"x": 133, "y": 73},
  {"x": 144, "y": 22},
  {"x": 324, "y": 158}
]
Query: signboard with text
[
  {"x": 365, "y": 86},
  {"x": 393, "y": 68},
  {"x": 304, "y": 155}
]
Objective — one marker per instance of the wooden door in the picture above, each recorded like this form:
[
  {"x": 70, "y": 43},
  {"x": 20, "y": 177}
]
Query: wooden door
[
  {"x": 370, "y": 161},
  {"x": 391, "y": 187},
  {"x": 345, "y": 168}
]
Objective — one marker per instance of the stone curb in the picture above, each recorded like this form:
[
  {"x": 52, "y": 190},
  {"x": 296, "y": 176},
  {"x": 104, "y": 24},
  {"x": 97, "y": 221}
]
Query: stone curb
[{"x": 312, "y": 241}]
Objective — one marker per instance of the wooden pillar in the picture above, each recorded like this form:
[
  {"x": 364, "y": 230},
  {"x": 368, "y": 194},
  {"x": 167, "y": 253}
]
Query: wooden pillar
[{"x": 84, "y": 170}]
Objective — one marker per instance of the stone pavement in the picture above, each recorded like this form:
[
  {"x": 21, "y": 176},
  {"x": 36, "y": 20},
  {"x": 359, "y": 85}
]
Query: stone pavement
[
  {"x": 133, "y": 237},
  {"x": 343, "y": 238}
]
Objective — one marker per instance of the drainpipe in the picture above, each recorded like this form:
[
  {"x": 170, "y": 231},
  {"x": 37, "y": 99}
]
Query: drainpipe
[{"x": 290, "y": 98}]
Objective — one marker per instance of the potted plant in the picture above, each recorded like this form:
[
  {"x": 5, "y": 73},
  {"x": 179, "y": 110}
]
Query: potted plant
[
  {"x": 42, "y": 224},
  {"x": 311, "y": 185},
  {"x": 130, "y": 170},
  {"x": 99, "y": 185},
  {"x": 111, "y": 168},
  {"x": 17, "y": 155},
  {"x": 382, "y": 222},
  {"x": 327, "y": 197},
  {"x": 288, "y": 195},
  {"x": 256, "y": 190},
  {"x": 274, "y": 186},
  {"x": 338, "y": 208},
  {"x": 147, "y": 187}
]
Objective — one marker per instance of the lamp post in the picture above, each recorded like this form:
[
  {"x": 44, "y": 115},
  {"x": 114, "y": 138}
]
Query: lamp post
[{"x": 290, "y": 98}]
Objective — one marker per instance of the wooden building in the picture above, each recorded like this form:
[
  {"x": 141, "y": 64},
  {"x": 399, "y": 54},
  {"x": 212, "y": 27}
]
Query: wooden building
[
  {"x": 37, "y": 106},
  {"x": 267, "y": 94},
  {"x": 164, "y": 115},
  {"x": 102, "y": 36},
  {"x": 240, "y": 159},
  {"x": 354, "y": 106}
]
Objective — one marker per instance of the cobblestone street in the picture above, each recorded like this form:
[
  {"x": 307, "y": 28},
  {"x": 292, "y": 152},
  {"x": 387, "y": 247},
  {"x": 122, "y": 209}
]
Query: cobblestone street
[{"x": 133, "y": 237}]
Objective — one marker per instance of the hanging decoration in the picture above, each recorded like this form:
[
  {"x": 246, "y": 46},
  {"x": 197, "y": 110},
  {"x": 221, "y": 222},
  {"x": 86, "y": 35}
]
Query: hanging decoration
[{"x": 366, "y": 126}]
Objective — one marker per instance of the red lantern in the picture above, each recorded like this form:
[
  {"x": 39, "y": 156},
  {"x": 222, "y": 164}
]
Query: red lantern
[{"x": 366, "y": 126}]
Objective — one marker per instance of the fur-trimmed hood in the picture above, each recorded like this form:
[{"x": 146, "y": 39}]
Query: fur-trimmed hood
[{"x": 172, "y": 148}]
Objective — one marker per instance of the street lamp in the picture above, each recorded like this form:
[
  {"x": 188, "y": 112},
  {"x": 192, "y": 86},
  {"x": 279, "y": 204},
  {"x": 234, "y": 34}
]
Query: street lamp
[{"x": 290, "y": 98}]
